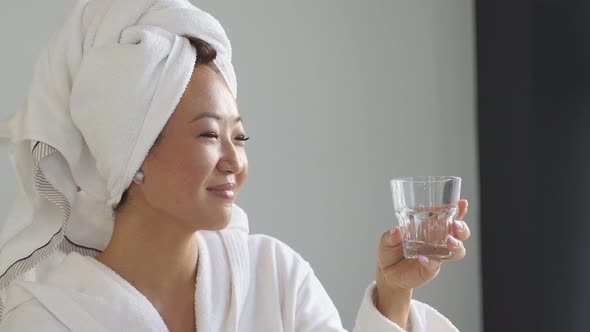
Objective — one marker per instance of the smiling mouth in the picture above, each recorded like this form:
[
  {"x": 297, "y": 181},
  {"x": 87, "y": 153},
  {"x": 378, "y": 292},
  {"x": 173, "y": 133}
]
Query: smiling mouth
[
  {"x": 225, "y": 191},
  {"x": 224, "y": 194},
  {"x": 226, "y": 186}
]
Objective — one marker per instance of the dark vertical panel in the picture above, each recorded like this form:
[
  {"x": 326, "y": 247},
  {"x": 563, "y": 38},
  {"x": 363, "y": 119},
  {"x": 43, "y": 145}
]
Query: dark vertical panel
[
  {"x": 534, "y": 139},
  {"x": 561, "y": 151},
  {"x": 504, "y": 98}
]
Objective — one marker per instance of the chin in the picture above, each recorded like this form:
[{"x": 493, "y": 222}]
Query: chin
[
  {"x": 220, "y": 221},
  {"x": 224, "y": 225},
  {"x": 226, "y": 220}
]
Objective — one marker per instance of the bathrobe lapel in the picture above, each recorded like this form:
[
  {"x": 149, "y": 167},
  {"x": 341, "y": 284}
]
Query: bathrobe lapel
[{"x": 223, "y": 279}]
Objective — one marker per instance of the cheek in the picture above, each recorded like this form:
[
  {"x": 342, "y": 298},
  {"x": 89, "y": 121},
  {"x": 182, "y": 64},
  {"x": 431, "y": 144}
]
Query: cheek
[
  {"x": 194, "y": 171},
  {"x": 182, "y": 174},
  {"x": 241, "y": 178}
]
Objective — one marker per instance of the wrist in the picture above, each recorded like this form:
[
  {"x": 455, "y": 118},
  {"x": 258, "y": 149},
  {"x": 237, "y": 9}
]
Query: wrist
[{"x": 393, "y": 304}]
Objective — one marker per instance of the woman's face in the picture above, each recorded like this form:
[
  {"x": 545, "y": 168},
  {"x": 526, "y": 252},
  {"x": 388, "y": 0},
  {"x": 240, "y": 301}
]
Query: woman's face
[{"x": 202, "y": 147}]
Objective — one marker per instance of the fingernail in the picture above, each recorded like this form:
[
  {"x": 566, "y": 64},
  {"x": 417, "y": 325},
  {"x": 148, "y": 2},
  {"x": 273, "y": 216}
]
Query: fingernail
[
  {"x": 453, "y": 241},
  {"x": 393, "y": 231},
  {"x": 423, "y": 259},
  {"x": 458, "y": 225}
]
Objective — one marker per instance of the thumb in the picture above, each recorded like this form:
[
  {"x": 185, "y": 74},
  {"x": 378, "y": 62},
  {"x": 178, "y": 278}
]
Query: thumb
[{"x": 390, "y": 248}]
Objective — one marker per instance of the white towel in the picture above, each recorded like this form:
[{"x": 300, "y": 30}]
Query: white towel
[{"x": 102, "y": 90}]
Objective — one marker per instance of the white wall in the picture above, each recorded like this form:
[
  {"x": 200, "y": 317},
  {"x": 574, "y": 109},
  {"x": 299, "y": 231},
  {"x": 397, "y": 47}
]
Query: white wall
[{"x": 338, "y": 97}]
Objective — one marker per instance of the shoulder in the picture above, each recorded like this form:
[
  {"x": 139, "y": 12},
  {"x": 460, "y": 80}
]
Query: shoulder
[
  {"x": 267, "y": 242},
  {"x": 270, "y": 255},
  {"x": 304, "y": 303},
  {"x": 30, "y": 315},
  {"x": 23, "y": 311},
  {"x": 268, "y": 247}
]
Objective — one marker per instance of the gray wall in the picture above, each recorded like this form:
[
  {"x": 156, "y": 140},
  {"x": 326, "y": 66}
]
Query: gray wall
[{"x": 338, "y": 97}]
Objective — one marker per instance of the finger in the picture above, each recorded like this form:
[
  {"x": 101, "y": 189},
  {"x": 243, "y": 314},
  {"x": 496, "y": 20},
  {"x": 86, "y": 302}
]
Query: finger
[
  {"x": 428, "y": 267},
  {"x": 411, "y": 273},
  {"x": 390, "y": 249},
  {"x": 460, "y": 230},
  {"x": 457, "y": 249},
  {"x": 463, "y": 205}
]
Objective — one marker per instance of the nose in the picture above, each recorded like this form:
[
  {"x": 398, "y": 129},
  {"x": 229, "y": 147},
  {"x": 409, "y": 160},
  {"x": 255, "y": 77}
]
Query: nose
[{"x": 232, "y": 159}]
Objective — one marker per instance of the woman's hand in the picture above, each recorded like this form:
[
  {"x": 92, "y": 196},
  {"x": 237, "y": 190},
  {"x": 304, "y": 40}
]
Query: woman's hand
[{"x": 397, "y": 276}]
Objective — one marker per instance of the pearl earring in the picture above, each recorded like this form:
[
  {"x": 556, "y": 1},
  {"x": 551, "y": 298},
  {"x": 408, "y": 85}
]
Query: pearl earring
[{"x": 138, "y": 177}]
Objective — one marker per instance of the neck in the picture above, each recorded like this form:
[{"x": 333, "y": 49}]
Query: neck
[{"x": 157, "y": 257}]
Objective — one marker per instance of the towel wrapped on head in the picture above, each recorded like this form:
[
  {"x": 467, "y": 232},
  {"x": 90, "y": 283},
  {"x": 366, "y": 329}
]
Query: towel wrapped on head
[{"x": 102, "y": 90}]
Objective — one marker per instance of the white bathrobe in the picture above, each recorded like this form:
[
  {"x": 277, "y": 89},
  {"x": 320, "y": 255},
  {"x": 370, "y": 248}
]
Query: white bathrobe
[
  {"x": 244, "y": 283},
  {"x": 103, "y": 88}
]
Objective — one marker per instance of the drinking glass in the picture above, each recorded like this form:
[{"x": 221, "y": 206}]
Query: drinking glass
[{"x": 425, "y": 207}]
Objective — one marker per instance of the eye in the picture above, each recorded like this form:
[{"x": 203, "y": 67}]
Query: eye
[
  {"x": 210, "y": 135},
  {"x": 242, "y": 138}
]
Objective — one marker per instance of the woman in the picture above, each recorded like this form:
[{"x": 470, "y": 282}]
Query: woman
[{"x": 129, "y": 153}]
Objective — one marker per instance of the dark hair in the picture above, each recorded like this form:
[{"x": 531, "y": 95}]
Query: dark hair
[{"x": 205, "y": 56}]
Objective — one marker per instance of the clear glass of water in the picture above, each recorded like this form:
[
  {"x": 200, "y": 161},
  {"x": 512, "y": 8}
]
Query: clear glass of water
[{"x": 425, "y": 207}]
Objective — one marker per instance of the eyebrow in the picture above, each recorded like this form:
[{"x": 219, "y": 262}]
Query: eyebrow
[{"x": 212, "y": 116}]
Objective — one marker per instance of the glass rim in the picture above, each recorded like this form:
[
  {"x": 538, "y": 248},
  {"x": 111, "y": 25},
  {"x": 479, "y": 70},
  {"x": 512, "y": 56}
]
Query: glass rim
[{"x": 426, "y": 179}]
